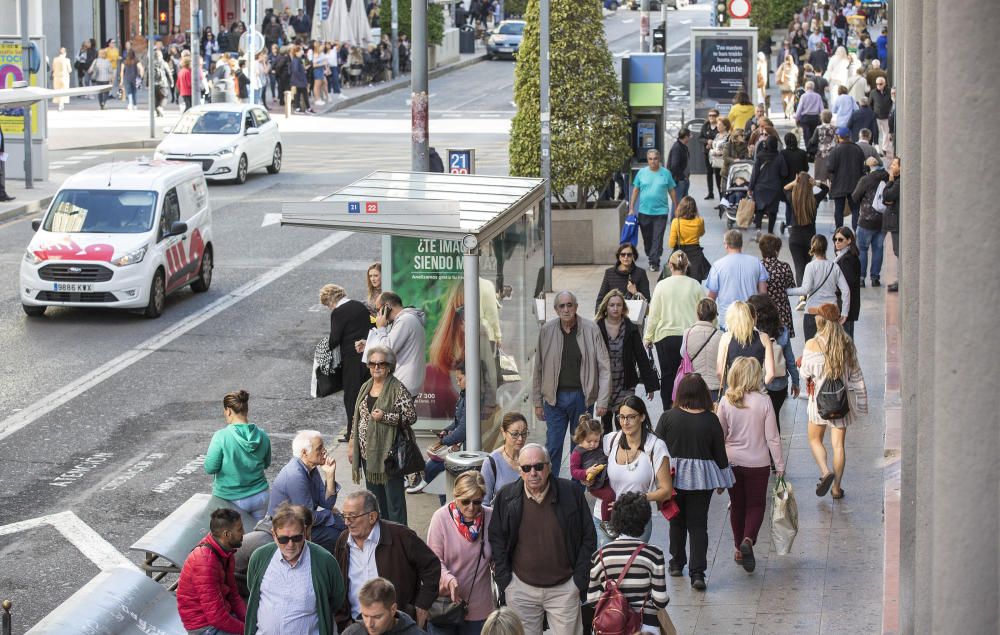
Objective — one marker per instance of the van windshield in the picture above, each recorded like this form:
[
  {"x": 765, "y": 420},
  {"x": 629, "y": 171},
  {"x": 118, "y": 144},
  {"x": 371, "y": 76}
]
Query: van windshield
[
  {"x": 102, "y": 212},
  {"x": 209, "y": 122}
]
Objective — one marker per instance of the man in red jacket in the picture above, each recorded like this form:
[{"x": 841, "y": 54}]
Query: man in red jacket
[{"x": 208, "y": 599}]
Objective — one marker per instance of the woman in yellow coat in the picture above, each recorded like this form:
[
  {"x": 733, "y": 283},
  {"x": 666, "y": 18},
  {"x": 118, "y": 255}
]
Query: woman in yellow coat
[{"x": 61, "y": 70}]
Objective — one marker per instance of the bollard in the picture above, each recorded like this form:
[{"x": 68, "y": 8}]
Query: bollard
[
  {"x": 6, "y": 616},
  {"x": 288, "y": 104}
]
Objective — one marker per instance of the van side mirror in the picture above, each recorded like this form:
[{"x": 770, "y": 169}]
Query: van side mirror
[
  {"x": 253, "y": 131},
  {"x": 167, "y": 129},
  {"x": 178, "y": 228},
  {"x": 36, "y": 224}
]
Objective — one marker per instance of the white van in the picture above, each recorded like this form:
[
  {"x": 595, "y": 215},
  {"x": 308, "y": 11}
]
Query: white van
[{"x": 121, "y": 235}]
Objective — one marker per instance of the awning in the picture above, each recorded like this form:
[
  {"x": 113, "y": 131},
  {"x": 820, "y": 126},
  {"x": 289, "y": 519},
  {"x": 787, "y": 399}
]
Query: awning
[
  {"x": 28, "y": 95},
  {"x": 421, "y": 205}
]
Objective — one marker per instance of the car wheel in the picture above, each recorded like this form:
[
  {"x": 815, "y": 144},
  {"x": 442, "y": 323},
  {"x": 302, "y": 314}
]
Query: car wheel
[
  {"x": 157, "y": 296},
  {"x": 204, "y": 280},
  {"x": 275, "y": 166},
  {"x": 241, "y": 171},
  {"x": 33, "y": 311}
]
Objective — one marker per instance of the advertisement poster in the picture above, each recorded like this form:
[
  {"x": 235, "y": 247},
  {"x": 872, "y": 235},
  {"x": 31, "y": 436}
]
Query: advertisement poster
[
  {"x": 722, "y": 64},
  {"x": 11, "y": 70}
]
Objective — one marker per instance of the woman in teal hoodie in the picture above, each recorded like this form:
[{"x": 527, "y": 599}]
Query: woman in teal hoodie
[{"x": 238, "y": 456}]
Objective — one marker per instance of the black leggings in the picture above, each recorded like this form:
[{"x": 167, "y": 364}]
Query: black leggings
[
  {"x": 716, "y": 174},
  {"x": 772, "y": 215},
  {"x": 668, "y": 350},
  {"x": 301, "y": 98},
  {"x": 799, "y": 237},
  {"x": 777, "y": 400}
]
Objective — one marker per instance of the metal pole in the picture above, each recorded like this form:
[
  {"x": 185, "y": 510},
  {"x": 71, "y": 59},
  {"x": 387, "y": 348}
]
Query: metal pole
[
  {"x": 419, "y": 160},
  {"x": 473, "y": 374},
  {"x": 394, "y": 23},
  {"x": 252, "y": 50},
  {"x": 7, "y": 604},
  {"x": 26, "y": 66},
  {"x": 543, "y": 108},
  {"x": 644, "y": 26},
  {"x": 150, "y": 70},
  {"x": 196, "y": 17}
]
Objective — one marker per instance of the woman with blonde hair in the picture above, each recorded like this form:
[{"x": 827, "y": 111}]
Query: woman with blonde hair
[
  {"x": 673, "y": 310},
  {"x": 831, "y": 355},
  {"x": 686, "y": 230},
  {"x": 458, "y": 537},
  {"x": 503, "y": 621},
  {"x": 348, "y": 323},
  {"x": 373, "y": 280},
  {"x": 752, "y": 442},
  {"x": 788, "y": 81},
  {"x": 629, "y": 362},
  {"x": 742, "y": 339}
]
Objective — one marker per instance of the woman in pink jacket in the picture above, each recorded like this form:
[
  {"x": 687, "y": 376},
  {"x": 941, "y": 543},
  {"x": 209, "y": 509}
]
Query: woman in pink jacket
[
  {"x": 752, "y": 440},
  {"x": 458, "y": 536}
]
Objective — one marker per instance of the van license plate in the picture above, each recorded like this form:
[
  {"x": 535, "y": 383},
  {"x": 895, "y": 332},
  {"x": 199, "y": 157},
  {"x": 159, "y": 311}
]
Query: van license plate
[{"x": 73, "y": 287}]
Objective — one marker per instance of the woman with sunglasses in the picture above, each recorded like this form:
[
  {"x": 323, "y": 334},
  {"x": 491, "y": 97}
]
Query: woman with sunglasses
[
  {"x": 383, "y": 407},
  {"x": 628, "y": 358},
  {"x": 638, "y": 461},
  {"x": 821, "y": 283},
  {"x": 849, "y": 261},
  {"x": 458, "y": 536},
  {"x": 501, "y": 467},
  {"x": 625, "y": 276}
]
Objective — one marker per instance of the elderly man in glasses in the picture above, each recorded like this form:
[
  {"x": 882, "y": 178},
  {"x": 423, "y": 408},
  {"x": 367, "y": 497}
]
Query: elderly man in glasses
[
  {"x": 571, "y": 375},
  {"x": 542, "y": 540},
  {"x": 295, "y": 585},
  {"x": 309, "y": 479},
  {"x": 371, "y": 548}
]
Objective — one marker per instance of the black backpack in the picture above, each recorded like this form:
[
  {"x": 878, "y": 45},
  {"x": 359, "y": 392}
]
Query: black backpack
[{"x": 831, "y": 399}]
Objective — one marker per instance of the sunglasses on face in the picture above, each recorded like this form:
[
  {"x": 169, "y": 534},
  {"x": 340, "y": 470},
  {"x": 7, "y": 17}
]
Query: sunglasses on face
[
  {"x": 839, "y": 239},
  {"x": 469, "y": 501},
  {"x": 284, "y": 540},
  {"x": 538, "y": 467},
  {"x": 378, "y": 364},
  {"x": 626, "y": 254}
]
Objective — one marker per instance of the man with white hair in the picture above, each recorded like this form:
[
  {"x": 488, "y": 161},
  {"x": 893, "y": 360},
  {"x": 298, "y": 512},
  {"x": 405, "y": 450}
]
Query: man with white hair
[
  {"x": 572, "y": 373},
  {"x": 310, "y": 479},
  {"x": 542, "y": 539}
]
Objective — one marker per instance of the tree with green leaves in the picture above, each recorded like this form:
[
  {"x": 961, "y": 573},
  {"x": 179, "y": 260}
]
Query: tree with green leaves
[
  {"x": 435, "y": 19},
  {"x": 768, "y": 15},
  {"x": 589, "y": 120}
]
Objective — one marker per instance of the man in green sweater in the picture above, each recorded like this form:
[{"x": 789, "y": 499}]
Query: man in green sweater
[{"x": 295, "y": 585}]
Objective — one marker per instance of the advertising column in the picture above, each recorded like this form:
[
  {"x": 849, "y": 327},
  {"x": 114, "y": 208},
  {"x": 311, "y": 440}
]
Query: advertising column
[
  {"x": 12, "y": 118},
  {"x": 722, "y": 64}
]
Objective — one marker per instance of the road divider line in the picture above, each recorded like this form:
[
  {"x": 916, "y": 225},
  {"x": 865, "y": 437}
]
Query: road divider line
[
  {"x": 109, "y": 369},
  {"x": 79, "y": 534}
]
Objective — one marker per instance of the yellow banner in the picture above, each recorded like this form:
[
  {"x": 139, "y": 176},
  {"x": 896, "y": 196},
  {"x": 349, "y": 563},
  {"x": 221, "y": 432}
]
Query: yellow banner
[{"x": 12, "y": 70}]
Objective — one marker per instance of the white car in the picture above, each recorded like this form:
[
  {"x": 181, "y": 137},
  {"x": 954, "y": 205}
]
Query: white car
[
  {"x": 120, "y": 235},
  {"x": 227, "y": 140}
]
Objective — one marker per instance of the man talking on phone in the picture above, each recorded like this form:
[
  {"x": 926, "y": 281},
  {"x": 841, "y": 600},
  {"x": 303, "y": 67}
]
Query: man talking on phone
[{"x": 401, "y": 329}]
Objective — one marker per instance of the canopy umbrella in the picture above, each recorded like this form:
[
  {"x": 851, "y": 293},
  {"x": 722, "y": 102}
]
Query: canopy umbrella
[
  {"x": 340, "y": 22},
  {"x": 361, "y": 29}
]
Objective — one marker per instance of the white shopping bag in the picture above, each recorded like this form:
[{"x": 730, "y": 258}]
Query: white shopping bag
[{"x": 784, "y": 517}]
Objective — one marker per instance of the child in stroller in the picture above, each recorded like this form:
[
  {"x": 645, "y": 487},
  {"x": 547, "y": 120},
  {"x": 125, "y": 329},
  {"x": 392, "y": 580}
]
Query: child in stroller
[{"x": 737, "y": 186}]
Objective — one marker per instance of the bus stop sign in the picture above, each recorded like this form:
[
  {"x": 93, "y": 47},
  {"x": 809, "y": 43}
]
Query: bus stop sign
[{"x": 462, "y": 161}]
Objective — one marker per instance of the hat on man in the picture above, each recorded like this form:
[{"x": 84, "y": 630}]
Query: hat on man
[{"x": 844, "y": 132}]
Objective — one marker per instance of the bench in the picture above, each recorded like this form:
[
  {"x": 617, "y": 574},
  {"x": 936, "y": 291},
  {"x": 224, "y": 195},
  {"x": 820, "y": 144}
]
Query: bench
[
  {"x": 166, "y": 546},
  {"x": 118, "y": 601}
]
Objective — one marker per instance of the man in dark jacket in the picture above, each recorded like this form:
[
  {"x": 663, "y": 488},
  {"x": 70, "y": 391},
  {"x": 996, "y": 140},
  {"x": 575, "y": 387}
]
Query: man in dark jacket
[
  {"x": 881, "y": 101},
  {"x": 373, "y": 547},
  {"x": 869, "y": 235},
  {"x": 863, "y": 119},
  {"x": 207, "y": 595},
  {"x": 4, "y": 197},
  {"x": 705, "y": 138},
  {"x": 543, "y": 537},
  {"x": 820, "y": 84},
  {"x": 282, "y": 71},
  {"x": 819, "y": 59},
  {"x": 677, "y": 163},
  {"x": 890, "y": 219},
  {"x": 846, "y": 166}
]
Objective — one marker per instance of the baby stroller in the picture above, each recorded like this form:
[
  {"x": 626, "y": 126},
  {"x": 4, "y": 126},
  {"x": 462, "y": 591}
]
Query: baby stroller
[{"x": 737, "y": 185}]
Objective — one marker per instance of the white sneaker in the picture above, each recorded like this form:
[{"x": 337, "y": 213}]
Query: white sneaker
[
  {"x": 341, "y": 96},
  {"x": 319, "y": 102},
  {"x": 416, "y": 489}
]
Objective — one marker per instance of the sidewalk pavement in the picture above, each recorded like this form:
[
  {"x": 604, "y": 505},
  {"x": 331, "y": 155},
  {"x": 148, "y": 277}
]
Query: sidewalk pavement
[{"x": 84, "y": 126}]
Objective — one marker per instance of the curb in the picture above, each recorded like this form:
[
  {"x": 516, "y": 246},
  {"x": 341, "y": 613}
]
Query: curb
[
  {"x": 120, "y": 145},
  {"x": 29, "y": 207}
]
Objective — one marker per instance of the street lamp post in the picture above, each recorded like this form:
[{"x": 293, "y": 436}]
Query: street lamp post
[
  {"x": 151, "y": 69},
  {"x": 419, "y": 108},
  {"x": 544, "y": 116},
  {"x": 394, "y": 25},
  {"x": 644, "y": 26},
  {"x": 26, "y": 66}
]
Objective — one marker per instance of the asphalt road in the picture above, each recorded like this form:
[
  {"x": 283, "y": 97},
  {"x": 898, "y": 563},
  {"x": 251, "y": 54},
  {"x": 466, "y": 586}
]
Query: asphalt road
[{"x": 105, "y": 414}]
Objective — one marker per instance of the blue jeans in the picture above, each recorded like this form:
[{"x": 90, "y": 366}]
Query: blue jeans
[
  {"x": 839, "y": 204},
  {"x": 876, "y": 239},
  {"x": 431, "y": 471},
  {"x": 335, "y": 80},
  {"x": 682, "y": 189},
  {"x": 255, "y": 504},
  {"x": 570, "y": 404},
  {"x": 469, "y": 628}
]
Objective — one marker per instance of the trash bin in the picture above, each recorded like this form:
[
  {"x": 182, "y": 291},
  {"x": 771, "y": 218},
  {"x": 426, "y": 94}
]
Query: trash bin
[
  {"x": 696, "y": 163},
  {"x": 466, "y": 40},
  {"x": 455, "y": 463}
]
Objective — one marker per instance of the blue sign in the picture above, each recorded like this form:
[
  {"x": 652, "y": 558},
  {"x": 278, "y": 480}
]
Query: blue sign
[
  {"x": 354, "y": 207},
  {"x": 459, "y": 162}
]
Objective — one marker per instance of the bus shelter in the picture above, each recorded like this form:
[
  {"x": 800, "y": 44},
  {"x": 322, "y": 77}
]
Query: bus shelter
[{"x": 465, "y": 249}]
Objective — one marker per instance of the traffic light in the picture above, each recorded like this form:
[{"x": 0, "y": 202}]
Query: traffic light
[{"x": 720, "y": 11}]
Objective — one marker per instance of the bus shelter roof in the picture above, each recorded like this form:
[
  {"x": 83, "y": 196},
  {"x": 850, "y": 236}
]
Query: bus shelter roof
[{"x": 421, "y": 205}]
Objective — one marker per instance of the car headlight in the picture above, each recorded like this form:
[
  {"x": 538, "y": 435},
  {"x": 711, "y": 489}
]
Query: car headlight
[
  {"x": 130, "y": 258},
  {"x": 225, "y": 151},
  {"x": 31, "y": 258}
]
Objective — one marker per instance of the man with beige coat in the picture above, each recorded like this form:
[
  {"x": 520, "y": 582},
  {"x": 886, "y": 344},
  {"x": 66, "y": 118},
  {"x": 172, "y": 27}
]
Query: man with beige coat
[{"x": 572, "y": 374}]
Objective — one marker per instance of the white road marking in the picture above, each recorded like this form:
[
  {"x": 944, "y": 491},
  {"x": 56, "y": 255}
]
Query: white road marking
[
  {"x": 629, "y": 21},
  {"x": 685, "y": 21},
  {"x": 97, "y": 153},
  {"x": 79, "y": 534},
  {"x": 109, "y": 369}
]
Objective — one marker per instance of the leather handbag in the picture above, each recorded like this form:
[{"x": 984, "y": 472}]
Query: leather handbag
[
  {"x": 443, "y": 611},
  {"x": 405, "y": 457}
]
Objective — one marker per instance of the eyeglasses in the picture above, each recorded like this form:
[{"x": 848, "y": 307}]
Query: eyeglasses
[
  {"x": 351, "y": 517},
  {"x": 519, "y": 435},
  {"x": 629, "y": 418},
  {"x": 469, "y": 501},
  {"x": 839, "y": 239},
  {"x": 378, "y": 364},
  {"x": 284, "y": 540},
  {"x": 565, "y": 305},
  {"x": 538, "y": 467}
]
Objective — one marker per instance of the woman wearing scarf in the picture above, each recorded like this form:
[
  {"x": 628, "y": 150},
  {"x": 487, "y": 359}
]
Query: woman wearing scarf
[
  {"x": 458, "y": 537},
  {"x": 383, "y": 407}
]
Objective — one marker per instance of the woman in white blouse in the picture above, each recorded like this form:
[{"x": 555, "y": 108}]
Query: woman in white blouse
[{"x": 820, "y": 284}]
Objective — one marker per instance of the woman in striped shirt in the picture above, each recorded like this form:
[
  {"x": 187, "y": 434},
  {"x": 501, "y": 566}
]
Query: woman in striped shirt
[{"x": 645, "y": 584}]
